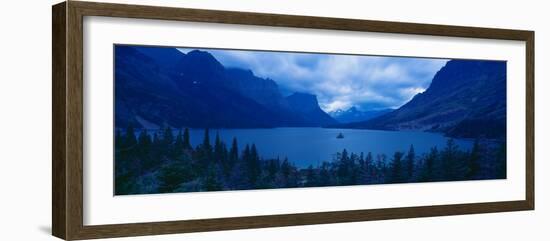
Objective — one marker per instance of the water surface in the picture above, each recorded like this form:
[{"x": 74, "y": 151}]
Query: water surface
[{"x": 305, "y": 146}]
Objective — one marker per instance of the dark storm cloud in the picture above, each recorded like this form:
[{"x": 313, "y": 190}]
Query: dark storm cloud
[{"x": 339, "y": 81}]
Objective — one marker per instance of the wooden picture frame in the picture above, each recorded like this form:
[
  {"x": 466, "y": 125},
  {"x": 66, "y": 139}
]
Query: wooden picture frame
[{"x": 67, "y": 150}]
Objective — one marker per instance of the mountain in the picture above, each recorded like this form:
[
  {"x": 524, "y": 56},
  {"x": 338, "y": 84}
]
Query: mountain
[
  {"x": 148, "y": 96},
  {"x": 163, "y": 86},
  {"x": 355, "y": 115},
  {"x": 264, "y": 91},
  {"x": 307, "y": 106},
  {"x": 163, "y": 56},
  {"x": 466, "y": 98}
]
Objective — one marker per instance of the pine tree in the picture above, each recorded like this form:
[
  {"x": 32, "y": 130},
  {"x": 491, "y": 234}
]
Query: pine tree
[
  {"x": 353, "y": 170},
  {"x": 345, "y": 156},
  {"x": 324, "y": 175},
  {"x": 371, "y": 170},
  {"x": 285, "y": 173},
  {"x": 254, "y": 165},
  {"x": 382, "y": 176},
  {"x": 172, "y": 175},
  {"x": 128, "y": 150},
  {"x": 118, "y": 140},
  {"x": 343, "y": 172},
  {"x": 168, "y": 136},
  {"x": 178, "y": 145},
  {"x": 231, "y": 158},
  {"x": 225, "y": 156},
  {"x": 206, "y": 140},
  {"x": 254, "y": 153},
  {"x": 126, "y": 167},
  {"x": 454, "y": 166},
  {"x": 246, "y": 160},
  {"x": 428, "y": 169},
  {"x": 155, "y": 151},
  {"x": 246, "y": 153},
  {"x": 447, "y": 158},
  {"x": 409, "y": 160},
  {"x": 130, "y": 140},
  {"x": 186, "y": 141},
  {"x": 273, "y": 166},
  {"x": 119, "y": 144},
  {"x": 218, "y": 148},
  {"x": 311, "y": 177},
  {"x": 473, "y": 160},
  {"x": 397, "y": 168},
  {"x": 500, "y": 165},
  {"x": 213, "y": 182},
  {"x": 204, "y": 151},
  {"x": 290, "y": 176},
  {"x": 238, "y": 174},
  {"x": 206, "y": 147},
  {"x": 234, "y": 152},
  {"x": 363, "y": 170},
  {"x": 144, "y": 149},
  {"x": 166, "y": 147}
]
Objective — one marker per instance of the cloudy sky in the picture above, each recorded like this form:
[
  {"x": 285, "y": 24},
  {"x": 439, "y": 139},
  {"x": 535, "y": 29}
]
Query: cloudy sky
[{"x": 339, "y": 81}]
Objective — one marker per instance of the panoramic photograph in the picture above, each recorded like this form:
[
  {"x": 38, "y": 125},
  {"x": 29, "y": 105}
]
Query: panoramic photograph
[{"x": 201, "y": 119}]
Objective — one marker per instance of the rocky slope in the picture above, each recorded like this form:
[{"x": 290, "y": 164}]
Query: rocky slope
[
  {"x": 163, "y": 86},
  {"x": 306, "y": 105},
  {"x": 466, "y": 98}
]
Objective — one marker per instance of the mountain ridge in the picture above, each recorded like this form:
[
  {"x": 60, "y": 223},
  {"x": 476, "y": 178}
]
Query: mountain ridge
[
  {"x": 353, "y": 114},
  {"x": 196, "y": 90},
  {"x": 308, "y": 104},
  {"x": 465, "y": 99}
]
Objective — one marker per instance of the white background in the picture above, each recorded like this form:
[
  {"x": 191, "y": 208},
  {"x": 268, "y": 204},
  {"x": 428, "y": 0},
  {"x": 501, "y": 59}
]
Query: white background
[
  {"x": 100, "y": 207},
  {"x": 25, "y": 104}
]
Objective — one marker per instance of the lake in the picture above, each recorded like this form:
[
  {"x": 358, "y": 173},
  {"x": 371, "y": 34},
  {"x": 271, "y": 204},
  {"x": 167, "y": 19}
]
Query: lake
[{"x": 311, "y": 146}]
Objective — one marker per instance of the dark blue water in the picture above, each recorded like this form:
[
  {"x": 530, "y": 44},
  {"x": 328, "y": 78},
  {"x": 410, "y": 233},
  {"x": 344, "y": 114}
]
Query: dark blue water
[{"x": 305, "y": 146}]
